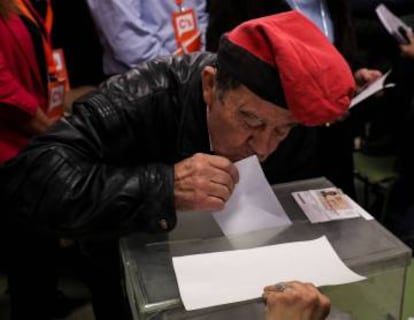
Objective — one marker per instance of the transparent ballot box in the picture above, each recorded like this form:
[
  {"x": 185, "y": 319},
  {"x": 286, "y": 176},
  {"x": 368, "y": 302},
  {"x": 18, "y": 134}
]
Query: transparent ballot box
[{"x": 364, "y": 245}]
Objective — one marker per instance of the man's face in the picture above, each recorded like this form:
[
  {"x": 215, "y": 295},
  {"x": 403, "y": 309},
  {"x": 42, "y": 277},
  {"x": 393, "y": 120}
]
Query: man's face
[{"x": 242, "y": 124}]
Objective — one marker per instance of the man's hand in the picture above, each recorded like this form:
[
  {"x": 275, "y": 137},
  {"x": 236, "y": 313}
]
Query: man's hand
[
  {"x": 407, "y": 50},
  {"x": 364, "y": 77},
  {"x": 204, "y": 182},
  {"x": 297, "y": 301}
]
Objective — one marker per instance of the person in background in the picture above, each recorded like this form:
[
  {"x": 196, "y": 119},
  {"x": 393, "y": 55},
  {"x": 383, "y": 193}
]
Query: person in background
[
  {"x": 163, "y": 137},
  {"x": 324, "y": 150},
  {"x": 27, "y": 79},
  {"x": 400, "y": 207},
  {"x": 136, "y": 31},
  {"x": 378, "y": 49},
  {"x": 23, "y": 115},
  {"x": 23, "y": 81},
  {"x": 332, "y": 18}
]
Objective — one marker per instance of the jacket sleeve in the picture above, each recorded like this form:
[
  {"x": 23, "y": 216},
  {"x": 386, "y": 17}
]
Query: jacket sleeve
[{"x": 78, "y": 180}]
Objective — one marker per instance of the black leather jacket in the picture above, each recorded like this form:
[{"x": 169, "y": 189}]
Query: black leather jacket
[{"x": 108, "y": 168}]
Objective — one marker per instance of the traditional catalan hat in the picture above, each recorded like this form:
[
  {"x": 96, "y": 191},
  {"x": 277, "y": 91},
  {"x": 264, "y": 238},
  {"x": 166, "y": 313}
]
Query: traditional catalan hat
[{"x": 287, "y": 60}]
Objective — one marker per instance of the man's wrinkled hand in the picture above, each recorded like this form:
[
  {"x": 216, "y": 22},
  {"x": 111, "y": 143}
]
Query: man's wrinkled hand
[
  {"x": 298, "y": 301},
  {"x": 204, "y": 182}
]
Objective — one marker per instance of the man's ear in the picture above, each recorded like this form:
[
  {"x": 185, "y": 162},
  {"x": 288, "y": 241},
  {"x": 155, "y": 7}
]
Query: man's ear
[{"x": 208, "y": 81}]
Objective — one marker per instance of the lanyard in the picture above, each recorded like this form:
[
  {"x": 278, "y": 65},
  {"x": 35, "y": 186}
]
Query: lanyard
[
  {"x": 179, "y": 5},
  {"x": 45, "y": 24},
  {"x": 45, "y": 27}
]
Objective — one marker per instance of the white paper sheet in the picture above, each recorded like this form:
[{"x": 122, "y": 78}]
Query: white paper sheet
[
  {"x": 253, "y": 205},
  {"x": 372, "y": 89},
  {"x": 211, "y": 279}
]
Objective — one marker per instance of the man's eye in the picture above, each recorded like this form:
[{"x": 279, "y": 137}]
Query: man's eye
[
  {"x": 254, "y": 122},
  {"x": 251, "y": 120},
  {"x": 281, "y": 132}
]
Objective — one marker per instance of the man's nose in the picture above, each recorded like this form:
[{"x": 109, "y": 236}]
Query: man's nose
[{"x": 264, "y": 143}]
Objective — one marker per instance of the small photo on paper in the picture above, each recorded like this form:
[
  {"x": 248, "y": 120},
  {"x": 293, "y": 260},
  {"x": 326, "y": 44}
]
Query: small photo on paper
[
  {"x": 333, "y": 199},
  {"x": 328, "y": 204}
]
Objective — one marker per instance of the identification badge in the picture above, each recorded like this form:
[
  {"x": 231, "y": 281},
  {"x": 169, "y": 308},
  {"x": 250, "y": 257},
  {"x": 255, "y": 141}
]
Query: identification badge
[
  {"x": 186, "y": 31},
  {"x": 56, "y": 99},
  {"x": 61, "y": 70}
]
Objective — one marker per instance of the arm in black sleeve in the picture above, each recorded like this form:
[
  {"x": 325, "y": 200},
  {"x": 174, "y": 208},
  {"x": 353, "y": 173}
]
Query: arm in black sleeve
[{"x": 88, "y": 176}]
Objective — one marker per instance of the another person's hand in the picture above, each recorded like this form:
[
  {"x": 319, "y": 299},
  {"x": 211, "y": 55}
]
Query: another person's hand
[
  {"x": 364, "y": 77},
  {"x": 204, "y": 182},
  {"x": 39, "y": 123},
  {"x": 407, "y": 50},
  {"x": 295, "y": 301},
  {"x": 73, "y": 94}
]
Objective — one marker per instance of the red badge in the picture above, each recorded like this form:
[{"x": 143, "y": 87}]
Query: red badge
[
  {"x": 186, "y": 31},
  {"x": 56, "y": 99},
  {"x": 61, "y": 70}
]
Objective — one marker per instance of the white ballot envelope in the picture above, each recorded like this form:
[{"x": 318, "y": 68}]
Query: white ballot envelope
[
  {"x": 253, "y": 205},
  {"x": 394, "y": 25}
]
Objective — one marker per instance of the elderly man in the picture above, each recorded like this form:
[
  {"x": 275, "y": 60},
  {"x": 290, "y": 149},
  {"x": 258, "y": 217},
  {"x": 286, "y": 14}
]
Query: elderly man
[{"x": 164, "y": 136}]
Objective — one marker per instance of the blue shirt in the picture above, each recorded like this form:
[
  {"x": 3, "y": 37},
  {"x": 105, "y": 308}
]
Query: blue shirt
[
  {"x": 316, "y": 11},
  {"x": 134, "y": 31}
]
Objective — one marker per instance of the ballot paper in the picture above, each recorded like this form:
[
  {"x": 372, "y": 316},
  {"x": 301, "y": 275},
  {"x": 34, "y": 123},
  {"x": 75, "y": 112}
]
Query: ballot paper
[
  {"x": 211, "y": 279},
  {"x": 328, "y": 204},
  {"x": 394, "y": 25},
  {"x": 253, "y": 205},
  {"x": 372, "y": 89}
]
